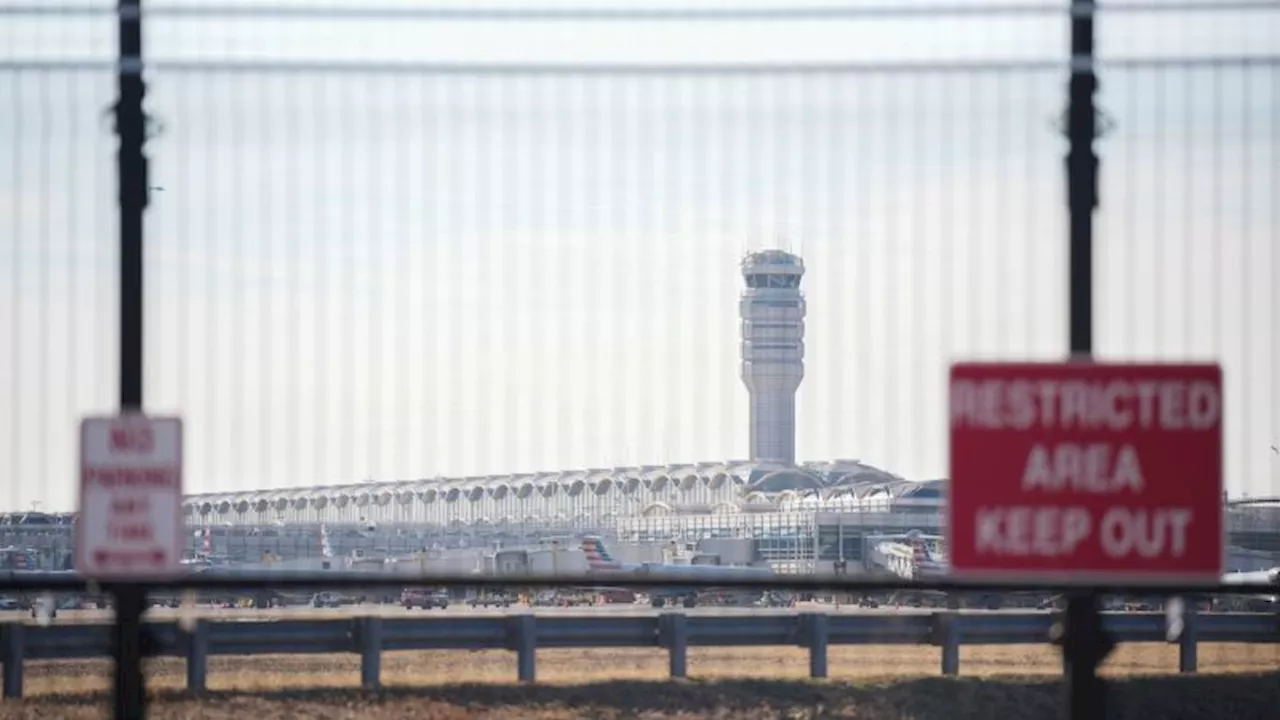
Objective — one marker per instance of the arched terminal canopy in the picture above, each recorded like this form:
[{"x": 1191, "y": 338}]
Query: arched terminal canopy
[{"x": 593, "y": 492}]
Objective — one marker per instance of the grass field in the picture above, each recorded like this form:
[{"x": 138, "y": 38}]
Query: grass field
[
  {"x": 867, "y": 681},
  {"x": 1210, "y": 697},
  {"x": 434, "y": 667}
]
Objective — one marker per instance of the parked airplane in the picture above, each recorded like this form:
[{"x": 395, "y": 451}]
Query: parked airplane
[
  {"x": 1253, "y": 602},
  {"x": 912, "y": 555},
  {"x": 410, "y": 567},
  {"x": 601, "y": 563},
  {"x": 915, "y": 555},
  {"x": 1261, "y": 577}
]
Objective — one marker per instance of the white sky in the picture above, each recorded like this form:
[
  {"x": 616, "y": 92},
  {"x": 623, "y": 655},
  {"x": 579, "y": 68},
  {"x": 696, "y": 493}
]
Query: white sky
[{"x": 408, "y": 274}]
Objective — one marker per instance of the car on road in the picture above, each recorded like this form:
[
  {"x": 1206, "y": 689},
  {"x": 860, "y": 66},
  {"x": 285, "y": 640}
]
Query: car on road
[
  {"x": 425, "y": 599},
  {"x": 775, "y": 600},
  {"x": 326, "y": 600}
]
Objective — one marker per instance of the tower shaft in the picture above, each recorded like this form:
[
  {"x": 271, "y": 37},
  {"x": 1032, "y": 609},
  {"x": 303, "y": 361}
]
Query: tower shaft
[
  {"x": 772, "y": 311},
  {"x": 773, "y": 427}
]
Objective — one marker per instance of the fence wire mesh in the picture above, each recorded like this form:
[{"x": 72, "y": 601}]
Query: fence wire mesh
[
  {"x": 402, "y": 244},
  {"x": 375, "y": 256}
]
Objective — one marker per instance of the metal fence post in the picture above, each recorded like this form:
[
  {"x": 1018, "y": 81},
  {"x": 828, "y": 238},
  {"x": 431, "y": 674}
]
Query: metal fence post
[
  {"x": 129, "y": 692},
  {"x": 1084, "y": 643},
  {"x": 1082, "y": 178},
  {"x": 1084, "y": 646},
  {"x": 132, "y": 179},
  {"x": 127, "y": 651}
]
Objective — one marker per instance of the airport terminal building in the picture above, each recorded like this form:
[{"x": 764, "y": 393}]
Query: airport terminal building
[{"x": 799, "y": 517}]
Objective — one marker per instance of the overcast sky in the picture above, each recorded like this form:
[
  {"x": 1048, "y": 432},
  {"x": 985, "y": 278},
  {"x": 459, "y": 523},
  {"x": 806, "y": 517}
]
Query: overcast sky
[{"x": 406, "y": 272}]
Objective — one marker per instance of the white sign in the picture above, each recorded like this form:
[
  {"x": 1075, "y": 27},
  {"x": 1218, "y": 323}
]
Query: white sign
[{"x": 130, "y": 524}]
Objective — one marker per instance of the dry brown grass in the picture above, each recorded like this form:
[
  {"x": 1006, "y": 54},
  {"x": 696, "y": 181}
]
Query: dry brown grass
[
  {"x": 868, "y": 682},
  {"x": 567, "y": 666}
]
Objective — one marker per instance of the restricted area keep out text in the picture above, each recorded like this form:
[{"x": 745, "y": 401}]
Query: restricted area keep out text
[{"x": 1086, "y": 468}]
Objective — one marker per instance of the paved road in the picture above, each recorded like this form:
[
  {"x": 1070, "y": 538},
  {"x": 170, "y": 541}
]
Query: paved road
[{"x": 394, "y": 611}]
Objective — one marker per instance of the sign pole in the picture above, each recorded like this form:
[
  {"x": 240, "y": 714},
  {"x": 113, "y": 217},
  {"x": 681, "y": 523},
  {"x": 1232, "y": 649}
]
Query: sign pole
[
  {"x": 127, "y": 645},
  {"x": 1084, "y": 643},
  {"x": 1082, "y": 178}
]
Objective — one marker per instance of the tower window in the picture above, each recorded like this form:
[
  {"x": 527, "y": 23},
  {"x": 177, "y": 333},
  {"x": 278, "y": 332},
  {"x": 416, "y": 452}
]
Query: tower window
[{"x": 769, "y": 280}]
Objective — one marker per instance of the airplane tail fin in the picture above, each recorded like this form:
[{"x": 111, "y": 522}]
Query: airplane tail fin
[
  {"x": 920, "y": 552},
  {"x": 326, "y": 550},
  {"x": 597, "y": 554}
]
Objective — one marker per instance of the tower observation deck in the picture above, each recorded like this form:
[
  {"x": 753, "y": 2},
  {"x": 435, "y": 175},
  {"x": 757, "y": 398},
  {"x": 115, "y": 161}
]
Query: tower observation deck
[{"x": 772, "y": 310}]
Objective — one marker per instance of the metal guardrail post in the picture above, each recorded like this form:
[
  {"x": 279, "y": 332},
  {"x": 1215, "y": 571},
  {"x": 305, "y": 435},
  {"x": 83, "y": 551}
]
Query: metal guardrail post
[
  {"x": 819, "y": 634},
  {"x": 672, "y": 631},
  {"x": 11, "y": 654},
  {"x": 526, "y": 648},
  {"x": 198, "y": 657},
  {"x": 674, "y": 628},
  {"x": 1188, "y": 639},
  {"x": 370, "y": 652},
  {"x": 946, "y": 633}
]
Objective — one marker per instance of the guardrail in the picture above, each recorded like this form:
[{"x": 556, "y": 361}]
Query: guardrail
[{"x": 524, "y": 633}]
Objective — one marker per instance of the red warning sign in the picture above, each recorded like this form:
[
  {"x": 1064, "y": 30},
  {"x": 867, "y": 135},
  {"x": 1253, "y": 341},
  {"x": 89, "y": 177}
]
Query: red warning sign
[
  {"x": 130, "y": 523},
  {"x": 1086, "y": 471}
]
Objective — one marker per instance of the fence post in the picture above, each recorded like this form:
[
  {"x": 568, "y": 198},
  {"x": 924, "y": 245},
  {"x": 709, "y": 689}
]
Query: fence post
[
  {"x": 198, "y": 657},
  {"x": 127, "y": 648},
  {"x": 370, "y": 652},
  {"x": 13, "y": 651},
  {"x": 1082, "y": 178},
  {"x": 129, "y": 691},
  {"x": 1084, "y": 643},
  {"x": 675, "y": 632},
  {"x": 1084, "y": 646},
  {"x": 526, "y": 647},
  {"x": 819, "y": 632}
]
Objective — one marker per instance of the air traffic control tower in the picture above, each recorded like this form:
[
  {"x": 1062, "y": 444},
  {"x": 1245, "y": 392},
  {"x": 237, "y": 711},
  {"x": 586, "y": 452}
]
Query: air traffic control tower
[{"x": 772, "y": 310}]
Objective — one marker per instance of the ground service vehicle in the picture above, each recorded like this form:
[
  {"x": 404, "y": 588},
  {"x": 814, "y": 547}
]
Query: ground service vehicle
[
  {"x": 326, "y": 599},
  {"x": 493, "y": 599},
  {"x": 425, "y": 599}
]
